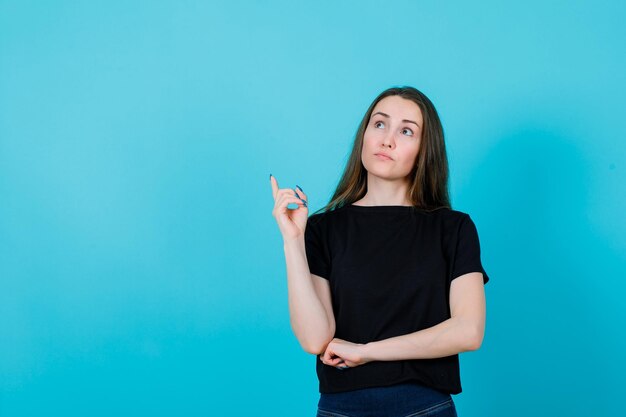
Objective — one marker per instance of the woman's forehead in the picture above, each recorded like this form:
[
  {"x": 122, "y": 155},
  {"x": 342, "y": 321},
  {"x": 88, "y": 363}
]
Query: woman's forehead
[{"x": 397, "y": 107}]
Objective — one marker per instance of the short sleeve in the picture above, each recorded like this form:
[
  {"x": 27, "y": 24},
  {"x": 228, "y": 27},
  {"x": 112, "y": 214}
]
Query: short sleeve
[
  {"x": 467, "y": 252},
  {"x": 317, "y": 251}
]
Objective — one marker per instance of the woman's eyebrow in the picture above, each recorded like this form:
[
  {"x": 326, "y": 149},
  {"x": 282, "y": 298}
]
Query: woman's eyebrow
[{"x": 404, "y": 120}]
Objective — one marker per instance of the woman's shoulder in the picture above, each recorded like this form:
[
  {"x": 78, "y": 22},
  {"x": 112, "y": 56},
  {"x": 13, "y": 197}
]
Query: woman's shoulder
[
  {"x": 323, "y": 217},
  {"x": 320, "y": 215},
  {"x": 454, "y": 214},
  {"x": 447, "y": 213},
  {"x": 448, "y": 218}
]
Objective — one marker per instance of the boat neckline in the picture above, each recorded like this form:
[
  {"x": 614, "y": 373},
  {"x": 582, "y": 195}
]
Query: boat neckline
[
  {"x": 380, "y": 208},
  {"x": 383, "y": 208}
]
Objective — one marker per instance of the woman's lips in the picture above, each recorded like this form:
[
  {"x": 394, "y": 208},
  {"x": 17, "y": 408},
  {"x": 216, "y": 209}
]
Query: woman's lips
[{"x": 383, "y": 157}]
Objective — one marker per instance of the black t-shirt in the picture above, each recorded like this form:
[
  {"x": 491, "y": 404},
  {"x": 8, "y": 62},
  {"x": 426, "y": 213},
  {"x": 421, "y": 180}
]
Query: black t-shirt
[{"x": 390, "y": 269}]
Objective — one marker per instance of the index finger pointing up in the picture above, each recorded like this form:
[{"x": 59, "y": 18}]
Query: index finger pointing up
[{"x": 274, "y": 183}]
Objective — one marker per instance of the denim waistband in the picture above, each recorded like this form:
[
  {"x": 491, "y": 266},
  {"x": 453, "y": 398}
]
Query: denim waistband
[{"x": 392, "y": 400}]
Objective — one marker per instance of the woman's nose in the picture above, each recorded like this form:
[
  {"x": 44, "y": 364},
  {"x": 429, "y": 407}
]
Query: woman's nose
[{"x": 388, "y": 140}]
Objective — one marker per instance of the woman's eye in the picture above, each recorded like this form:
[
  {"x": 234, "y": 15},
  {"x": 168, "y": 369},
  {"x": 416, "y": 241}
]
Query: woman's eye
[{"x": 405, "y": 129}]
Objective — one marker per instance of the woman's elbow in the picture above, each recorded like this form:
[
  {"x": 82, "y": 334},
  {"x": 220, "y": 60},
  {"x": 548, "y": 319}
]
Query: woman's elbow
[
  {"x": 317, "y": 347},
  {"x": 475, "y": 338}
]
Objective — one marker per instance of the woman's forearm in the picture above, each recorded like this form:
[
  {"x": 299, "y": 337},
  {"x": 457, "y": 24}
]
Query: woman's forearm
[
  {"x": 309, "y": 320},
  {"x": 447, "y": 338}
]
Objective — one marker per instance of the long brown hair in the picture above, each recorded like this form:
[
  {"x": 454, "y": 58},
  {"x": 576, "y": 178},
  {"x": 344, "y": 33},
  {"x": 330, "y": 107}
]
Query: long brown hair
[{"x": 428, "y": 180}]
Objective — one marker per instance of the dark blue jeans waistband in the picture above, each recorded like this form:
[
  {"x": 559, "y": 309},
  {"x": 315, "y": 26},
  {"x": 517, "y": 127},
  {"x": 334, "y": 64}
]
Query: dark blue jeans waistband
[{"x": 393, "y": 400}]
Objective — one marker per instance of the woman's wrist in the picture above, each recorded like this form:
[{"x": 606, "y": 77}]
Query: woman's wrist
[
  {"x": 367, "y": 351},
  {"x": 293, "y": 242}
]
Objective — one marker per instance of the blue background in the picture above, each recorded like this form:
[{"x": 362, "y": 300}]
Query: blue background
[{"x": 141, "y": 270}]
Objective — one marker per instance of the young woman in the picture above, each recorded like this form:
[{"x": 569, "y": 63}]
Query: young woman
[{"x": 385, "y": 283}]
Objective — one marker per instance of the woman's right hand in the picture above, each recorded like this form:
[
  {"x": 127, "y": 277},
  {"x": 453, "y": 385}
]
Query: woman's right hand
[{"x": 291, "y": 222}]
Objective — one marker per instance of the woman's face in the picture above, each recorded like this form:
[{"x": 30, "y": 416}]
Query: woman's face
[{"x": 394, "y": 128}]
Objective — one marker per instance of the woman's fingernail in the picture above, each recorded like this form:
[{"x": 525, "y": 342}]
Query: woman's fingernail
[
  {"x": 299, "y": 188},
  {"x": 270, "y": 176}
]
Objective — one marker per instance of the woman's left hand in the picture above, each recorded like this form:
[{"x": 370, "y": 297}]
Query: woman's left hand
[{"x": 341, "y": 353}]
